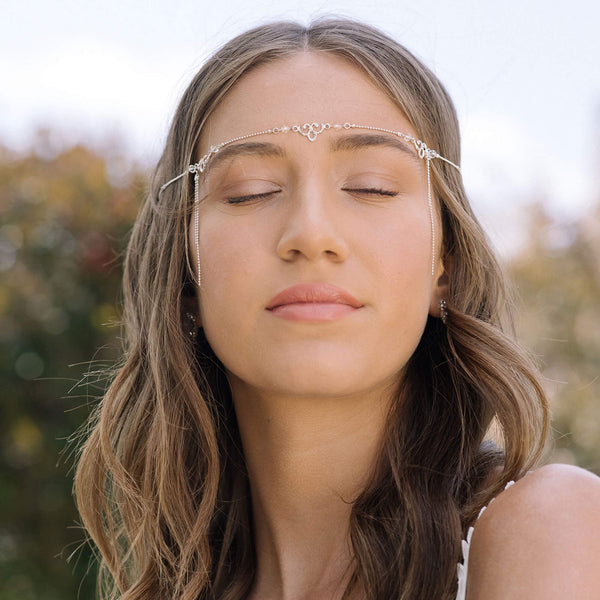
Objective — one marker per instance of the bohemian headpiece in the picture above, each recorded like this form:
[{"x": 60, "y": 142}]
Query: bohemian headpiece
[{"x": 310, "y": 131}]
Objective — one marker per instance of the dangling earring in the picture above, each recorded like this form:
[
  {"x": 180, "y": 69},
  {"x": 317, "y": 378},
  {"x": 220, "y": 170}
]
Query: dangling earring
[
  {"x": 191, "y": 326},
  {"x": 444, "y": 311}
]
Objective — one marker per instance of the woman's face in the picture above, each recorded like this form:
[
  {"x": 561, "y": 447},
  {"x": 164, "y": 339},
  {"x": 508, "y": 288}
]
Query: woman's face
[{"x": 340, "y": 226}]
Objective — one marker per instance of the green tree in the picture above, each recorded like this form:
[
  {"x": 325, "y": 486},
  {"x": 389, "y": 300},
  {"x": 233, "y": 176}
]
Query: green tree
[
  {"x": 64, "y": 220},
  {"x": 558, "y": 279}
]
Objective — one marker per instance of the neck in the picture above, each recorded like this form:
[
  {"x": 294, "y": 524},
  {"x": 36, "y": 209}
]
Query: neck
[{"x": 308, "y": 459}]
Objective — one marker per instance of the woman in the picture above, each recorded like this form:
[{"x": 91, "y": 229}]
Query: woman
[{"x": 316, "y": 351}]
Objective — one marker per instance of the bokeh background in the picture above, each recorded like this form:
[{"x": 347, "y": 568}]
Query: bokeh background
[{"x": 86, "y": 94}]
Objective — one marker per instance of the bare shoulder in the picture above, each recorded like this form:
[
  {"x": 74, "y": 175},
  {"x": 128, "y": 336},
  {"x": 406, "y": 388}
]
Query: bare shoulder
[{"x": 539, "y": 539}]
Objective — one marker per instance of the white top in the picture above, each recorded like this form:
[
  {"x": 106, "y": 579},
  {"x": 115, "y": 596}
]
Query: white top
[{"x": 463, "y": 567}]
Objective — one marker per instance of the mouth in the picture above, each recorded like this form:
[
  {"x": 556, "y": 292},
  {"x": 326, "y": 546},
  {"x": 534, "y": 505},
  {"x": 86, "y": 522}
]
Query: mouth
[{"x": 317, "y": 302}]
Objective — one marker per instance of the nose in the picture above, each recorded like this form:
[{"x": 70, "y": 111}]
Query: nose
[{"x": 313, "y": 227}]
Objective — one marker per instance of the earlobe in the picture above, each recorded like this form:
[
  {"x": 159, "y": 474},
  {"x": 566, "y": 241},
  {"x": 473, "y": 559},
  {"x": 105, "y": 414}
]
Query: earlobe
[{"x": 443, "y": 284}]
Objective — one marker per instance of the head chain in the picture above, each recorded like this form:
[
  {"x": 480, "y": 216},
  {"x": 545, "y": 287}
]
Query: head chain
[{"x": 311, "y": 131}]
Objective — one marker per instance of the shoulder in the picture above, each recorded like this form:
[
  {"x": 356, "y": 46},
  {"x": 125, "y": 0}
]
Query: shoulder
[{"x": 539, "y": 539}]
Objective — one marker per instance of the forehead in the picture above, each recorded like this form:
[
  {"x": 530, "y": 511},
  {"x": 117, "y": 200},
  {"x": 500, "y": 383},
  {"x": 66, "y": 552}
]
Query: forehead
[{"x": 295, "y": 89}]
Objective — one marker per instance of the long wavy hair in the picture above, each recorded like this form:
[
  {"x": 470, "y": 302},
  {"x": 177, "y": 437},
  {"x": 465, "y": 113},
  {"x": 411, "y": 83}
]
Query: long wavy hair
[{"x": 161, "y": 483}]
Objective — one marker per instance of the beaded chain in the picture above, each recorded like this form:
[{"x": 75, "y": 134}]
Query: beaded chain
[{"x": 311, "y": 131}]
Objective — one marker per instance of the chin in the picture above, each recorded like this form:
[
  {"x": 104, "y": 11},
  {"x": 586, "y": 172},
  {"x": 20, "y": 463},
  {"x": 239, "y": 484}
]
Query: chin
[{"x": 320, "y": 381}]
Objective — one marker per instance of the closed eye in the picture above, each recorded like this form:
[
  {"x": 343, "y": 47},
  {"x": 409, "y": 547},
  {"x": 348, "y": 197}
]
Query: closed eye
[
  {"x": 251, "y": 197},
  {"x": 373, "y": 191},
  {"x": 264, "y": 195}
]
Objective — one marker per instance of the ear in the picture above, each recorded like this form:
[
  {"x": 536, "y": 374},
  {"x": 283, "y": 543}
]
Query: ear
[{"x": 441, "y": 286}]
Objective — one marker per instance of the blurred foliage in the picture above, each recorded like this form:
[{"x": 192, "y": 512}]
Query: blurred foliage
[
  {"x": 558, "y": 278},
  {"x": 64, "y": 219}
]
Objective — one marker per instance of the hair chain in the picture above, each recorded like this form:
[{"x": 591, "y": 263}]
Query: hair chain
[
  {"x": 196, "y": 226},
  {"x": 310, "y": 131},
  {"x": 430, "y": 205}
]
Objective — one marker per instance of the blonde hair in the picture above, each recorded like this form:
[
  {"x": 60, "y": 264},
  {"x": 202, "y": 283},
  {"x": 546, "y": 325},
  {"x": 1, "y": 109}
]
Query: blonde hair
[{"x": 161, "y": 484}]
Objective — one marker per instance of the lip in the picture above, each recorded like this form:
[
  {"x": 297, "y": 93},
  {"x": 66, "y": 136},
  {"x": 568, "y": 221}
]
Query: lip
[{"x": 313, "y": 302}]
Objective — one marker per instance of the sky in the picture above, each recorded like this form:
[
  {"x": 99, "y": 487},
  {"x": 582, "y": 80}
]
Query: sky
[{"x": 524, "y": 75}]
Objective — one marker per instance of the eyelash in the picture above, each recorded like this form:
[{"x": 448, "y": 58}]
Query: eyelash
[
  {"x": 251, "y": 197},
  {"x": 378, "y": 191}
]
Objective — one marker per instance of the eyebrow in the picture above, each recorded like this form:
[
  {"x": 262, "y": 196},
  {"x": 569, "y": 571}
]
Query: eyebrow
[
  {"x": 359, "y": 141},
  {"x": 345, "y": 143},
  {"x": 246, "y": 149}
]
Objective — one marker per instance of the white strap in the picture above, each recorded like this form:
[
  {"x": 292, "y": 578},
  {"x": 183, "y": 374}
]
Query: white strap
[{"x": 462, "y": 568}]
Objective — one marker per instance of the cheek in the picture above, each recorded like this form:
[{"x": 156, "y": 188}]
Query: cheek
[
  {"x": 401, "y": 245},
  {"x": 228, "y": 261},
  {"x": 402, "y": 271}
]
